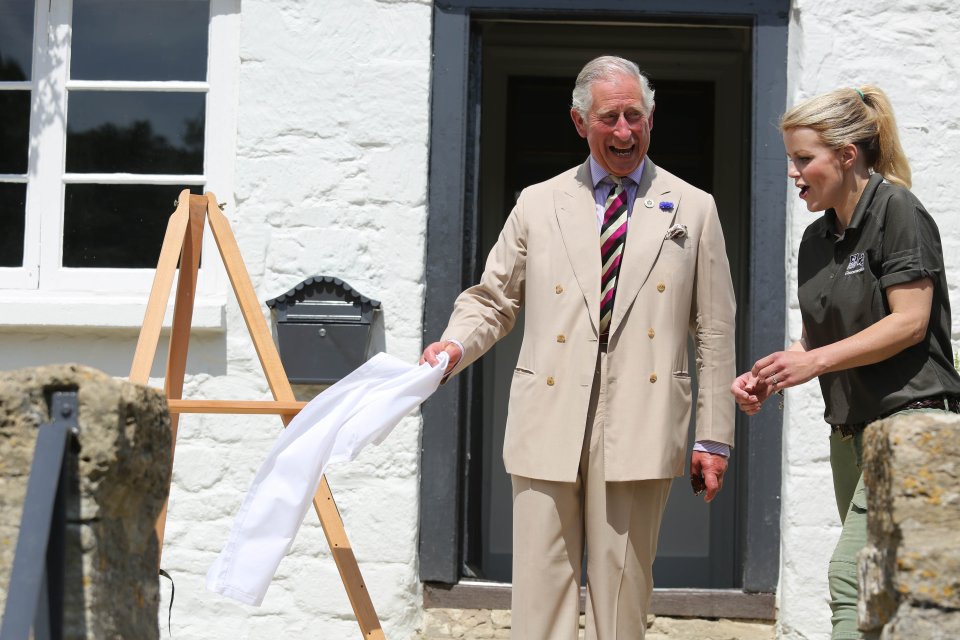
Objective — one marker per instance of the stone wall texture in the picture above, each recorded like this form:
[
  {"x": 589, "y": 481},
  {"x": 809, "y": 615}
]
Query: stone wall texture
[
  {"x": 120, "y": 470},
  {"x": 910, "y": 570}
]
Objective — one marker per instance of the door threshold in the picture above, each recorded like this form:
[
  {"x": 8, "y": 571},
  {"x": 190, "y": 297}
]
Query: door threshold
[{"x": 731, "y": 604}]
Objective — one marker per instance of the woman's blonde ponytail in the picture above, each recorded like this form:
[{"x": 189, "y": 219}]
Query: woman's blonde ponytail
[
  {"x": 862, "y": 116},
  {"x": 890, "y": 161}
]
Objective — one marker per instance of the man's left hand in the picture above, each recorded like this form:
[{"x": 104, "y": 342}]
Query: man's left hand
[{"x": 710, "y": 467}]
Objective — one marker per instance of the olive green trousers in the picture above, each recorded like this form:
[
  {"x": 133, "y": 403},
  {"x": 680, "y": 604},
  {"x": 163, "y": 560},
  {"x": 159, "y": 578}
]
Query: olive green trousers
[{"x": 846, "y": 460}]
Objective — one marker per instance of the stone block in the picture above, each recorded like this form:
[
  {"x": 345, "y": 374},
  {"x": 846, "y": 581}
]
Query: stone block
[
  {"x": 119, "y": 472},
  {"x": 910, "y": 569}
]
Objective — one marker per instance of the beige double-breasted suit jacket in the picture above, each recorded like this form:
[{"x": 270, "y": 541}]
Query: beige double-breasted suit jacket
[{"x": 547, "y": 260}]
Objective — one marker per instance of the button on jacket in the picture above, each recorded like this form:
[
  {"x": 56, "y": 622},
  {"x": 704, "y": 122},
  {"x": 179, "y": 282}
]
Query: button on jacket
[{"x": 680, "y": 285}]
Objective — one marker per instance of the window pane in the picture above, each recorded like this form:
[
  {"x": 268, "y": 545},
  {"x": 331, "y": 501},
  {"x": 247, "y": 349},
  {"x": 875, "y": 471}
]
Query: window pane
[
  {"x": 135, "y": 132},
  {"x": 13, "y": 199},
  {"x": 116, "y": 226},
  {"x": 16, "y": 39},
  {"x": 143, "y": 40},
  {"x": 14, "y": 131}
]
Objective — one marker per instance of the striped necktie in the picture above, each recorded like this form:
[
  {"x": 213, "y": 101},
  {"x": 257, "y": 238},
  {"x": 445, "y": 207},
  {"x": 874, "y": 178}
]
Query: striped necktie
[{"x": 613, "y": 235}]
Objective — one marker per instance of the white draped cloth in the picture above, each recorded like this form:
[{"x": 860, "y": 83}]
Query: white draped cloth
[{"x": 360, "y": 409}]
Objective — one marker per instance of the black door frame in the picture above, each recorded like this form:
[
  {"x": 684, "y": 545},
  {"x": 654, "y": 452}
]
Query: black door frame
[{"x": 450, "y": 259}]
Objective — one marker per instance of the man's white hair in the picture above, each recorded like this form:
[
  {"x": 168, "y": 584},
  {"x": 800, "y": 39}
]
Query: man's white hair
[{"x": 607, "y": 68}]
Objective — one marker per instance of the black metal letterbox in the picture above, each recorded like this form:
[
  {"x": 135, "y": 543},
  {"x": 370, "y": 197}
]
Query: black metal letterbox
[{"x": 323, "y": 329}]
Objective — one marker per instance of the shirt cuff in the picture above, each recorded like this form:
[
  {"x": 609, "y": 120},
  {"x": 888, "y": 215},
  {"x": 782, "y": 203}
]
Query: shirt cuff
[
  {"x": 459, "y": 346},
  {"x": 711, "y": 446}
]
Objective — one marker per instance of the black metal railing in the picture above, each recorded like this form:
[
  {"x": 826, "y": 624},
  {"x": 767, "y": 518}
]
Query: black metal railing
[{"x": 35, "y": 592}]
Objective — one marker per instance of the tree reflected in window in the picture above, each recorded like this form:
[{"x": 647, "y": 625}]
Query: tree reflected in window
[
  {"x": 135, "y": 132},
  {"x": 136, "y": 148}
]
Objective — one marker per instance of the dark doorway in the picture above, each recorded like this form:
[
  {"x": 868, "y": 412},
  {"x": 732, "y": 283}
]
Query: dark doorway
[
  {"x": 683, "y": 141},
  {"x": 701, "y": 76},
  {"x": 740, "y": 48}
]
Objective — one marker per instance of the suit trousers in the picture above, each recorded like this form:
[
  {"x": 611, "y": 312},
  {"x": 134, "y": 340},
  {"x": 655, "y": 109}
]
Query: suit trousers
[{"x": 617, "y": 522}]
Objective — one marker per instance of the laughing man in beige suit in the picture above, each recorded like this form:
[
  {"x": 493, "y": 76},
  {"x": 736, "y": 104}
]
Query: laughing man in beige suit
[{"x": 601, "y": 395}]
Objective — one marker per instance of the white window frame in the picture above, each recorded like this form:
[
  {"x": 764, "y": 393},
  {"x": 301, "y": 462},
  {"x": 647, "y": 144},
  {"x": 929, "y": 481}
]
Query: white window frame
[{"x": 42, "y": 291}]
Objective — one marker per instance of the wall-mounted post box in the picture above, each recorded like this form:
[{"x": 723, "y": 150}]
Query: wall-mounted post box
[{"x": 323, "y": 329}]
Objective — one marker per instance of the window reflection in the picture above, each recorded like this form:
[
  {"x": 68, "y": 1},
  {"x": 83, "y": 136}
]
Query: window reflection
[
  {"x": 13, "y": 200},
  {"x": 143, "y": 40},
  {"x": 14, "y": 131},
  {"x": 135, "y": 132},
  {"x": 16, "y": 39},
  {"x": 116, "y": 226}
]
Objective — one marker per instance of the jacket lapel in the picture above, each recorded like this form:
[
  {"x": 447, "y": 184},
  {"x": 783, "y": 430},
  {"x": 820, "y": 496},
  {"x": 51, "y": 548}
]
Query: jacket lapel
[
  {"x": 576, "y": 214},
  {"x": 648, "y": 226}
]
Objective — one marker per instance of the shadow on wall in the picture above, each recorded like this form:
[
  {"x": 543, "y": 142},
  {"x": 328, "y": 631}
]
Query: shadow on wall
[{"x": 110, "y": 352}]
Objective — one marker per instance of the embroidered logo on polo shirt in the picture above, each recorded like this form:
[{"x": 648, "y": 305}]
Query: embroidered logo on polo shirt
[{"x": 856, "y": 263}]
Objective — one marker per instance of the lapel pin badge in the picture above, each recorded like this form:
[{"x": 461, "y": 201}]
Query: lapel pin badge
[
  {"x": 648, "y": 203},
  {"x": 666, "y": 205}
]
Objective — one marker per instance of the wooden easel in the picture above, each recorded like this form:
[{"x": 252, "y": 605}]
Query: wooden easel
[{"x": 183, "y": 240}]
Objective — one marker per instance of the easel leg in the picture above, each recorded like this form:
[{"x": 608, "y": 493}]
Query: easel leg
[
  {"x": 160, "y": 291},
  {"x": 323, "y": 502},
  {"x": 180, "y": 331},
  {"x": 332, "y": 524},
  {"x": 178, "y": 244}
]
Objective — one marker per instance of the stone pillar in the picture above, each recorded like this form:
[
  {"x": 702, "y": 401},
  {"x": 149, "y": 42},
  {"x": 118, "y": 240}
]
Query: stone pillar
[
  {"x": 120, "y": 471},
  {"x": 910, "y": 569}
]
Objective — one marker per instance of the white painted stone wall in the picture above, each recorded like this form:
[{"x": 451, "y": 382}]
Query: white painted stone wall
[
  {"x": 910, "y": 49},
  {"x": 331, "y": 178}
]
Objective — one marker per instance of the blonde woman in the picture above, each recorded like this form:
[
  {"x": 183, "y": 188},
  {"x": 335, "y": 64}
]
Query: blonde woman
[{"x": 873, "y": 298}]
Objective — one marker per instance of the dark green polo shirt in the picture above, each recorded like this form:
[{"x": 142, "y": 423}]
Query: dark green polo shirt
[{"x": 842, "y": 280}]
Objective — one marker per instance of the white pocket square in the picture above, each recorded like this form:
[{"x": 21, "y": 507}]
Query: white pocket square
[{"x": 676, "y": 231}]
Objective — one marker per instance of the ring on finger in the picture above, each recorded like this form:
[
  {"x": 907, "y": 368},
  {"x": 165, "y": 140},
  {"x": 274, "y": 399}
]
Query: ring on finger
[{"x": 775, "y": 381}]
